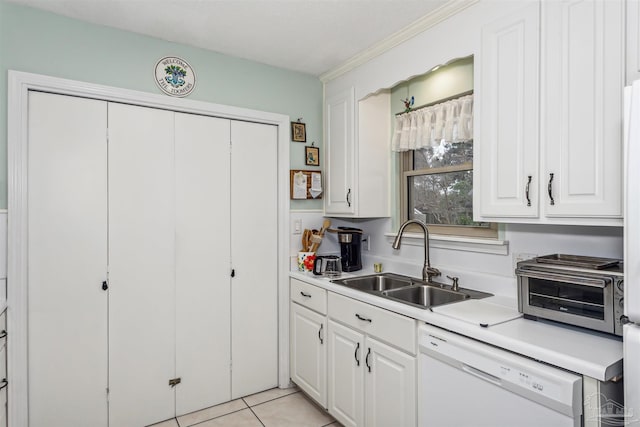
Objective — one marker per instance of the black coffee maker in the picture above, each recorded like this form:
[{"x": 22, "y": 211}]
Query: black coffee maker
[{"x": 350, "y": 240}]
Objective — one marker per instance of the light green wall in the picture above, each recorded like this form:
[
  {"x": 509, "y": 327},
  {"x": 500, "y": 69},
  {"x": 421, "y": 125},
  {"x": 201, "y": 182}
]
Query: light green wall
[
  {"x": 43, "y": 43},
  {"x": 447, "y": 81}
]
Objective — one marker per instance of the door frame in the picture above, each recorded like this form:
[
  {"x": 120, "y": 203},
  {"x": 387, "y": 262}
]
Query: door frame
[{"x": 19, "y": 85}]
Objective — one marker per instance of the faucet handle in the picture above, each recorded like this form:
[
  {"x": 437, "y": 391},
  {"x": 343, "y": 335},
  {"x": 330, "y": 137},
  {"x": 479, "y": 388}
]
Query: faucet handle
[{"x": 455, "y": 279}]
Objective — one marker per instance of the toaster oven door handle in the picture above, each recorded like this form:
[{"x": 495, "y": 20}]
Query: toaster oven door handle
[{"x": 565, "y": 278}]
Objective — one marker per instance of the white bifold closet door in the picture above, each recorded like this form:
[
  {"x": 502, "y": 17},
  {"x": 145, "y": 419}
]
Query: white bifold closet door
[
  {"x": 254, "y": 254},
  {"x": 203, "y": 262},
  {"x": 142, "y": 269},
  {"x": 67, "y": 260}
]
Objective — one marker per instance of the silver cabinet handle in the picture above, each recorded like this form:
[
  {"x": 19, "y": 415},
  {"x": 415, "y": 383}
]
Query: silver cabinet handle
[
  {"x": 349, "y": 197},
  {"x": 526, "y": 191},
  {"x": 320, "y": 333},
  {"x": 366, "y": 360},
  {"x": 364, "y": 319},
  {"x": 550, "y": 189},
  {"x": 355, "y": 355}
]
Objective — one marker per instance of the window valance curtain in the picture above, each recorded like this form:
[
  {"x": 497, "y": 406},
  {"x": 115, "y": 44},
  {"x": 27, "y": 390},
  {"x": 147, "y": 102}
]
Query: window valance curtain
[{"x": 451, "y": 121}]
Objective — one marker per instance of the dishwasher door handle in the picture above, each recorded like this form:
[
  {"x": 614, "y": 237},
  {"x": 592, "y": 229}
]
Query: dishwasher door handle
[{"x": 482, "y": 374}]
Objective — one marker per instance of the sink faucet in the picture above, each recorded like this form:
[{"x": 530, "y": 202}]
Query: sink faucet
[{"x": 427, "y": 271}]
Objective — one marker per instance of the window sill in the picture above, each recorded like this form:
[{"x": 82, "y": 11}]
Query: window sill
[{"x": 457, "y": 243}]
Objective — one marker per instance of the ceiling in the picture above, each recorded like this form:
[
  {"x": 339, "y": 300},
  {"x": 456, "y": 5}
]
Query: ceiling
[{"x": 310, "y": 36}]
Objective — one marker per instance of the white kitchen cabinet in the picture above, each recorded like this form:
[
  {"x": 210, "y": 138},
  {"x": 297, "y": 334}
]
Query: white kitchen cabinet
[
  {"x": 142, "y": 293},
  {"x": 390, "y": 386},
  {"x": 309, "y": 352},
  {"x": 577, "y": 136},
  {"x": 346, "y": 375},
  {"x": 358, "y": 155},
  {"x": 371, "y": 382},
  {"x": 581, "y": 108},
  {"x": 340, "y": 157},
  {"x": 308, "y": 339},
  {"x": 633, "y": 40},
  {"x": 506, "y": 150}
]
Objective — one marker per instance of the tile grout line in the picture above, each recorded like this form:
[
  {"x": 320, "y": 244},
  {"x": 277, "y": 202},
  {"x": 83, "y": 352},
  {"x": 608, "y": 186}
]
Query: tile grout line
[
  {"x": 271, "y": 400},
  {"x": 219, "y": 416},
  {"x": 238, "y": 410},
  {"x": 256, "y": 415}
]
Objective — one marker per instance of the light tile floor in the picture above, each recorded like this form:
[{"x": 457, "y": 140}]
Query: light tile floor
[{"x": 271, "y": 408}]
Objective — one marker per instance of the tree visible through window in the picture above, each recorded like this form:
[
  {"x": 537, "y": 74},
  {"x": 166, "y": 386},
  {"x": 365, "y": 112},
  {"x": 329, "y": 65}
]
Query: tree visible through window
[{"x": 438, "y": 187}]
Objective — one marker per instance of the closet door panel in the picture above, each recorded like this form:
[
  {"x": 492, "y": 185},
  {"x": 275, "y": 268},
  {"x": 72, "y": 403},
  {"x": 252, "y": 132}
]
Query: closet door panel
[
  {"x": 254, "y": 253},
  {"x": 141, "y": 265},
  {"x": 67, "y": 309},
  {"x": 203, "y": 262}
]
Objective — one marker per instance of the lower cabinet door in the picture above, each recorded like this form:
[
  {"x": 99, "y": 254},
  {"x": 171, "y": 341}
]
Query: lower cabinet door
[
  {"x": 309, "y": 352},
  {"x": 346, "y": 362},
  {"x": 390, "y": 386}
]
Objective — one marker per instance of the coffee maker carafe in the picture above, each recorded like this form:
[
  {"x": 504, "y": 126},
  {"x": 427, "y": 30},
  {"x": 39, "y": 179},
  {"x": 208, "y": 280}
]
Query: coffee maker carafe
[{"x": 350, "y": 240}]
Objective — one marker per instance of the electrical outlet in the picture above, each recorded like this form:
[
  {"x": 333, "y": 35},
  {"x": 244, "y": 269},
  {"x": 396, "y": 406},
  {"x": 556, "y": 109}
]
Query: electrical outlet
[
  {"x": 521, "y": 256},
  {"x": 366, "y": 243},
  {"x": 297, "y": 226}
]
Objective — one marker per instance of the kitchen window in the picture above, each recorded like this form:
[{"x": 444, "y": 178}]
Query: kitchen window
[
  {"x": 437, "y": 188},
  {"x": 435, "y": 146}
]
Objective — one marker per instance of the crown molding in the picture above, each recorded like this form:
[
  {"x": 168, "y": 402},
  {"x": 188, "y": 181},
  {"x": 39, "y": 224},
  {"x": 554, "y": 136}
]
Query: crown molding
[{"x": 440, "y": 14}]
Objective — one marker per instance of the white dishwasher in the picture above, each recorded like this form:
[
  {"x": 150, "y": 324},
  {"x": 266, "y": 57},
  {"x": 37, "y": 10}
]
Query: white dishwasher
[{"x": 467, "y": 383}]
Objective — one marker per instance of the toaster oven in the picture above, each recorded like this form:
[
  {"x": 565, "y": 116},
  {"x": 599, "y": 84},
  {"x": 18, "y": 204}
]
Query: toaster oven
[{"x": 580, "y": 291}]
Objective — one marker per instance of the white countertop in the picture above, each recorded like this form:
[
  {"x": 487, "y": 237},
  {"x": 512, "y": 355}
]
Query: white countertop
[{"x": 585, "y": 352}]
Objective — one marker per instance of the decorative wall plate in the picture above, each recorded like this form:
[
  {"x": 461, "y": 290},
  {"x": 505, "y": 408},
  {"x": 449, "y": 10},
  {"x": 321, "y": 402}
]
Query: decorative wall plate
[{"x": 174, "y": 76}]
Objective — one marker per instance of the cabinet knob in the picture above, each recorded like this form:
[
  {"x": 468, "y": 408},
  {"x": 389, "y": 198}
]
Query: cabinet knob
[
  {"x": 366, "y": 360},
  {"x": 349, "y": 197},
  {"x": 355, "y": 354},
  {"x": 526, "y": 191}
]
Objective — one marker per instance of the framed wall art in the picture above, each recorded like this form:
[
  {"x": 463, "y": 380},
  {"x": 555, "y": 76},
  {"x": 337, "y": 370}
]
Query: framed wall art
[
  {"x": 298, "y": 132},
  {"x": 312, "y": 156}
]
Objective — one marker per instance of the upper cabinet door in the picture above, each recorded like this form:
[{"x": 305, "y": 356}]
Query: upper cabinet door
[
  {"x": 506, "y": 146},
  {"x": 582, "y": 82},
  {"x": 340, "y": 192}
]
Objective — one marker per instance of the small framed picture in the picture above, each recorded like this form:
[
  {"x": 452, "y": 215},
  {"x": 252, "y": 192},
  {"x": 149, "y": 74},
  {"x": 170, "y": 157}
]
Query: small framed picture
[
  {"x": 312, "y": 156},
  {"x": 298, "y": 132}
]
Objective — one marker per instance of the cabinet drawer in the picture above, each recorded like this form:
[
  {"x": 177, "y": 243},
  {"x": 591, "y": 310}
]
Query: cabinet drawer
[
  {"x": 309, "y": 296},
  {"x": 393, "y": 328}
]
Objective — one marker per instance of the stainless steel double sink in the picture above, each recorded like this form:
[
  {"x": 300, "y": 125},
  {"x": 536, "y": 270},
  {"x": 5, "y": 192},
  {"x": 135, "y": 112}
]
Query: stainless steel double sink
[{"x": 409, "y": 290}]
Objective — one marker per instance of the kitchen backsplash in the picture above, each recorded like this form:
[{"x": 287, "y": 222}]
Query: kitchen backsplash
[{"x": 484, "y": 271}]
